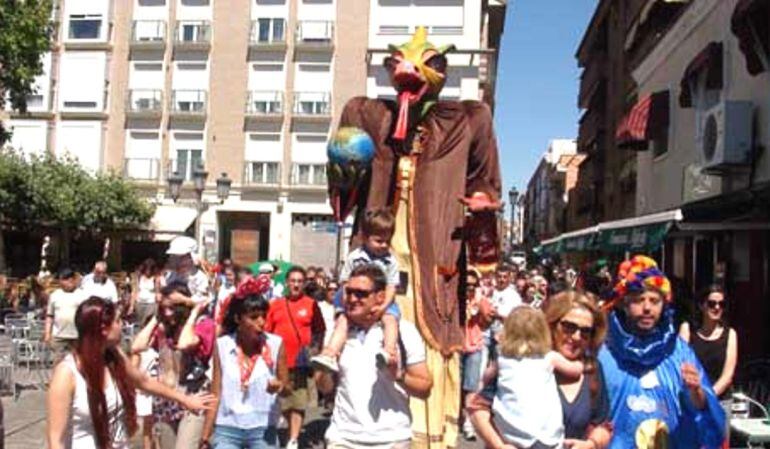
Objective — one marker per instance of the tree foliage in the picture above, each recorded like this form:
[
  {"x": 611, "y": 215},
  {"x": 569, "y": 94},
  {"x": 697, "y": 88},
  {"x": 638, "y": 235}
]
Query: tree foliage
[
  {"x": 25, "y": 35},
  {"x": 58, "y": 192}
]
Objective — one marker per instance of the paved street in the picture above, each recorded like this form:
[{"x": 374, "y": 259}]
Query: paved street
[{"x": 25, "y": 423}]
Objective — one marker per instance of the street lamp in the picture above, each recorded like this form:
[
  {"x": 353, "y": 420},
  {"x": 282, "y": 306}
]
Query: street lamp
[
  {"x": 199, "y": 177},
  {"x": 513, "y": 196},
  {"x": 223, "y": 187},
  {"x": 175, "y": 181}
]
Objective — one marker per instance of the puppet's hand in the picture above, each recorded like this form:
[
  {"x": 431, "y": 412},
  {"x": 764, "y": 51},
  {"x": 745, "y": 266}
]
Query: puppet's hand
[{"x": 480, "y": 202}]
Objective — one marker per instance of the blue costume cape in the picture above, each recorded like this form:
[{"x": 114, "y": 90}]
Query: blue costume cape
[{"x": 645, "y": 385}]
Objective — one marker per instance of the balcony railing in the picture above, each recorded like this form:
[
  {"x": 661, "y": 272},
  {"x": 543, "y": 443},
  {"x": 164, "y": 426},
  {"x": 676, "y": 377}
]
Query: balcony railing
[
  {"x": 590, "y": 79},
  {"x": 144, "y": 101},
  {"x": 268, "y": 32},
  {"x": 315, "y": 32},
  {"x": 264, "y": 103},
  {"x": 189, "y": 102},
  {"x": 193, "y": 33},
  {"x": 312, "y": 103},
  {"x": 148, "y": 32},
  {"x": 141, "y": 169},
  {"x": 308, "y": 175},
  {"x": 259, "y": 173},
  {"x": 589, "y": 130}
]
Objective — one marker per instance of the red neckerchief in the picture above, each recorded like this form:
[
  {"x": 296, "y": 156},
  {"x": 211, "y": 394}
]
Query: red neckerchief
[{"x": 246, "y": 364}]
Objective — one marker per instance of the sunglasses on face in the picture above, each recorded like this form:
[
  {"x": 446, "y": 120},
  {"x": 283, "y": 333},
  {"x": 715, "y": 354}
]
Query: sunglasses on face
[
  {"x": 569, "y": 328},
  {"x": 471, "y": 286},
  {"x": 713, "y": 304},
  {"x": 358, "y": 293}
]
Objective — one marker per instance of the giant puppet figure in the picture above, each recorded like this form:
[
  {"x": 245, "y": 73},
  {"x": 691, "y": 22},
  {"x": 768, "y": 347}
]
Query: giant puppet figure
[{"x": 435, "y": 164}]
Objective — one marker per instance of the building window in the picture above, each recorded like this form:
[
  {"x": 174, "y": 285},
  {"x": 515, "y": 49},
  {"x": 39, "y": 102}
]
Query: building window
[
  {"x": 270, "y": 30},
  {"x": 263, "y": 173},
  {"x": 35, "y": 101},
  {"x": 660, "y": 144},
  {"x": 310, "y": 174},
  {"x": 312, "y": 103},
  {"x": 187, "y": 161},
  {"x": 79, "y": 104},
  {"x": 85, "y": 26}
]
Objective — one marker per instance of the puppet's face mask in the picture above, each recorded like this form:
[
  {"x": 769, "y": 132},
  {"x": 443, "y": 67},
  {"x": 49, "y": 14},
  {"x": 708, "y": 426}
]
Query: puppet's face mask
[{"x": 417, "y": 70}]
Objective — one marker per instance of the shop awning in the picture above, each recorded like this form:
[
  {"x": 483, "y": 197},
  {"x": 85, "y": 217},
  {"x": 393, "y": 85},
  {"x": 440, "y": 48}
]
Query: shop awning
[
  {"x": 708, "y": 61},
  {"x": 580, "y": 240},
  {"x": 171, "y": 221},
  {"x": 638, "y": 234},
  {"x": 751, "y": 25},
  {"x": 647, "y": 120},
  {"x": 548, "y": 247}
]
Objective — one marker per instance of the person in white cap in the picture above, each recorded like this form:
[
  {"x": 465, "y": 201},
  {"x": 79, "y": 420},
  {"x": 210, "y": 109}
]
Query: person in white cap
[
  {"x": 276, "y": 290},
  {"x": 184, "y": 264}
]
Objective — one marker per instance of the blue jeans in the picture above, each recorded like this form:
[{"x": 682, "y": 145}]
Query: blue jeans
[{"x": 226, "y": 437}]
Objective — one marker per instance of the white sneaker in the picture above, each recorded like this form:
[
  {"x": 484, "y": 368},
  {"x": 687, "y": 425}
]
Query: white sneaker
[
  {"x": 292, "y": 444},
  {"x": 325, "y": 362},
  {"x": 469, "y": 432}
]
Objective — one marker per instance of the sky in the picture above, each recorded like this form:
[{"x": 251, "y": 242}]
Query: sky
[{"x": 538, "y": 80}]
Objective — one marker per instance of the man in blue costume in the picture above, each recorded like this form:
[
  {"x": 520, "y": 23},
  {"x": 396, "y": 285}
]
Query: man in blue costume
[{"x": 659, "y": 396}]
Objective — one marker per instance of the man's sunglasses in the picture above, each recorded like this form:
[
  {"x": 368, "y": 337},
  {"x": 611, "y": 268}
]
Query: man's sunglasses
[
  {"x": 358, "y": 293},
  {"x": 713, "y": 304},
  {"x": 470, "y": 286},
  {"x": 569, "y": 328}
]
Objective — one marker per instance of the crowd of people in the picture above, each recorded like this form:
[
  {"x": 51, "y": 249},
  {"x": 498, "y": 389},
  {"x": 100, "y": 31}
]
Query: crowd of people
[{"x": 551, "y": 358}]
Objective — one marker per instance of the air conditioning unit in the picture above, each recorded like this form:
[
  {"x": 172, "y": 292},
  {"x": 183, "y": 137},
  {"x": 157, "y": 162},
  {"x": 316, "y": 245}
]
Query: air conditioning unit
[{"x": 726, "y": 140}]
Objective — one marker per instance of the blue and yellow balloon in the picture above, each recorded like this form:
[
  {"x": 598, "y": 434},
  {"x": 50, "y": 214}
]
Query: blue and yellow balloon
[{"x": 350, "y": 152}]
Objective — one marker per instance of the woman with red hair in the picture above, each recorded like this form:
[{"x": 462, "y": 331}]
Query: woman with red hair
[{"x": 91, "y": 399}]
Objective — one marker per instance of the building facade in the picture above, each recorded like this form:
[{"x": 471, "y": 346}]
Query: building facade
[
  {"x": 606, "y": 184},
  {"x": 246, "y": 88},
  {"x": 548, "y": 191},
  {"x": 709, "y": 158}
]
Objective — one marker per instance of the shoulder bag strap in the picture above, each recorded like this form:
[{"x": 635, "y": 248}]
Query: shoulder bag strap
[{"x": 291, "y": 320}]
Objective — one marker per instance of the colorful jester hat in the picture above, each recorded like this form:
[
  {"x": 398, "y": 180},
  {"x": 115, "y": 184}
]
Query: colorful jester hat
[
  {"x": 639, "y": 274},
  {"x": 350, "y": 152},
  {"x": 417, "y": 71}
]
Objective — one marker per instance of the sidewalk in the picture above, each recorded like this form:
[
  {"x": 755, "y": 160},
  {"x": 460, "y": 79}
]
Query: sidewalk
[
  {"x": 25, "y": 420},
  {"x": 25, "y": 424}
]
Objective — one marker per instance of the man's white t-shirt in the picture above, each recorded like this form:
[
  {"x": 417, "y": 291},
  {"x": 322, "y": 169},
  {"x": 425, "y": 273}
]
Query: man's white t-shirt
[
  {"x": 198, "y": 283},
  {"x": 106, "y": 290},
  {"x": 61, "y": 308},
  {"x": 370, "y": 407},
  {"x": 504, "y": 301}
]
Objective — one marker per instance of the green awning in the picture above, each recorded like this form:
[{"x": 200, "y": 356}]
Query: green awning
[
  {"x": 639, "y": 234},
  {"x": 548, "y": 248},
  {"x": 646, "y": 238},
  {"x": 578, "y": 243}
]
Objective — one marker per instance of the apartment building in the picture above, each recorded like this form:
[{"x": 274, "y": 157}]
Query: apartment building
[
  {"x": 548, "y": 189},
  {"x": 708, "y": 157},
  {"x": 249, "y": 89}
]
